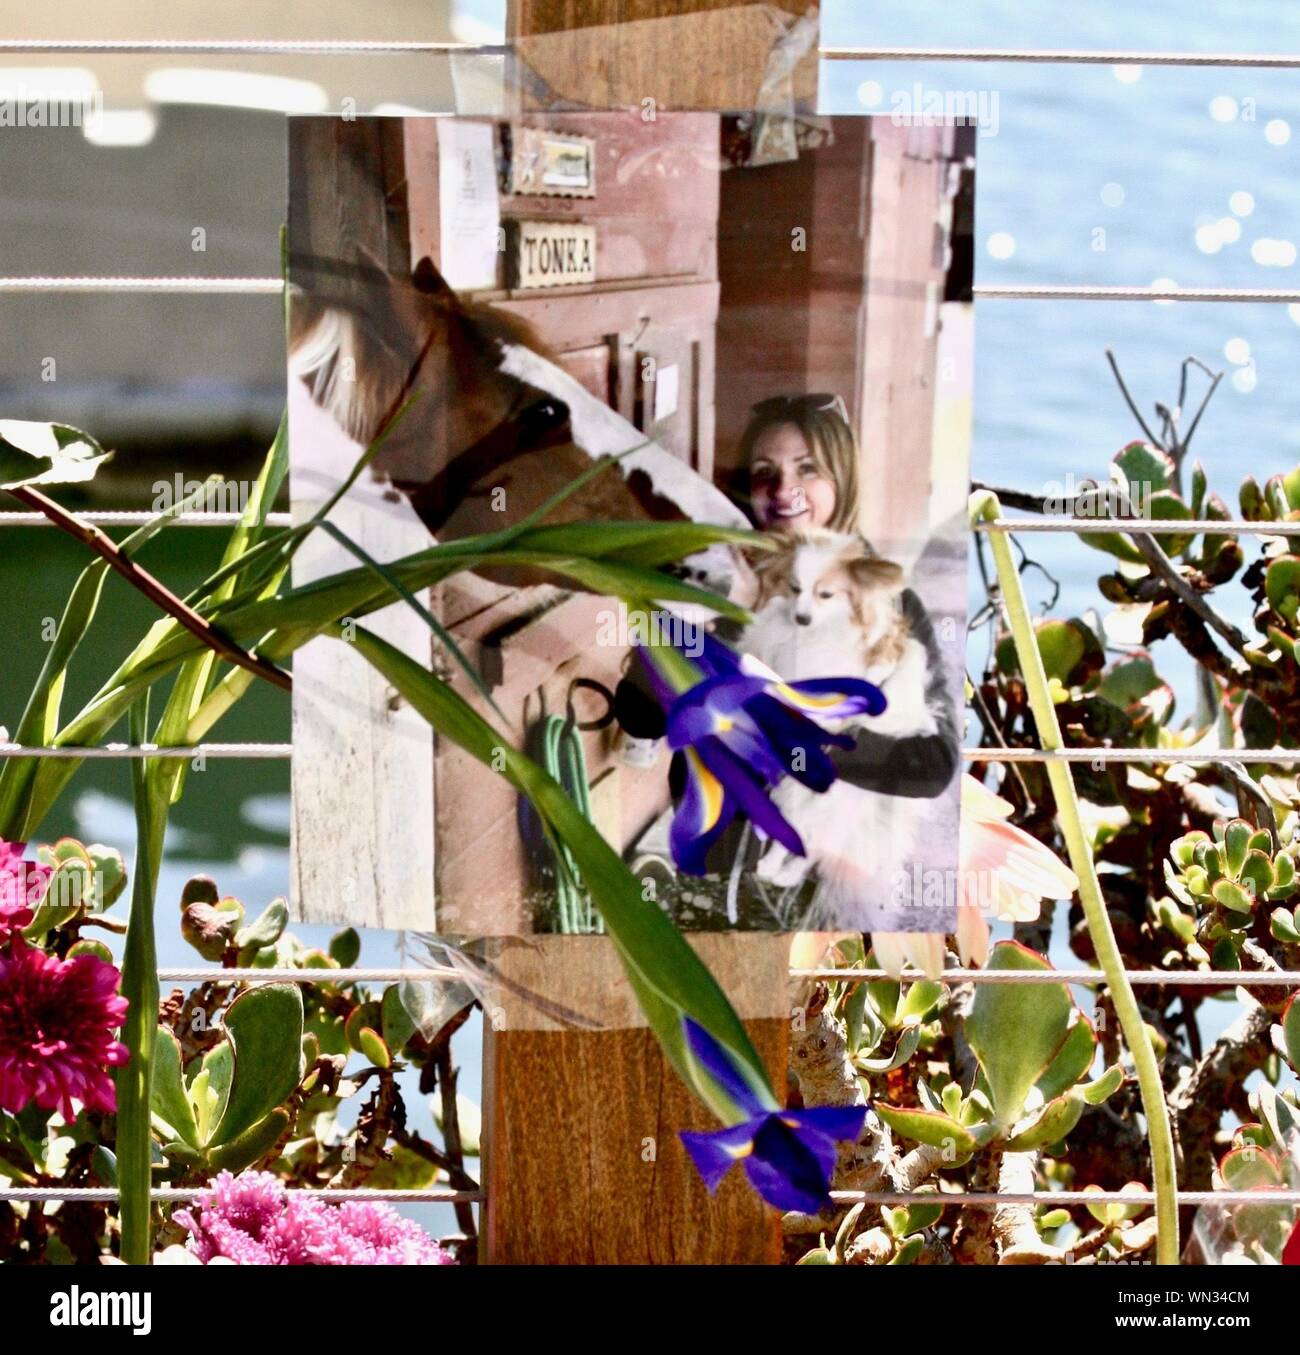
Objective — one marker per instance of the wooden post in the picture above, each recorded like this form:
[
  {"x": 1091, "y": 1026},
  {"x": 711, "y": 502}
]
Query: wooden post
[
  {"x": 582, "y": 1161},
  {"x": 691, "y": 54}
]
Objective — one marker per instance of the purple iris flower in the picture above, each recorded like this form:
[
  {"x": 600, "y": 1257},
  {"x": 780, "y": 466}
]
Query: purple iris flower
[
  {"x": 741, "y": 729},
  {"x": 788, "y": 1154}
]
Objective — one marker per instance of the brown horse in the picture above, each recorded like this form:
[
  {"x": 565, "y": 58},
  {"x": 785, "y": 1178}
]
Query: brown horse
[{"x": 494, "y": 426}]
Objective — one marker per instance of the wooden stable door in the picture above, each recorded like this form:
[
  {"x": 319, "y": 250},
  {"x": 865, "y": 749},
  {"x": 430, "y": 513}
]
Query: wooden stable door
[{"x": 641, "y": 338}]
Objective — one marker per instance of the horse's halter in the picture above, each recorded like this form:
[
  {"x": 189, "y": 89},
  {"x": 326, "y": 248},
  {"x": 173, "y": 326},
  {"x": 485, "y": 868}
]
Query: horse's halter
[{"x": 535, "y": 420}]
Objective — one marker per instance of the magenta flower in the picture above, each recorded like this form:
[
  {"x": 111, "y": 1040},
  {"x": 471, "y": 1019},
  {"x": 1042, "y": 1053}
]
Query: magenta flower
[
  {"x": 22, "y": 884},
  {"x": 57, "y": 1019},
  {"x": 253, "y": 1220}
]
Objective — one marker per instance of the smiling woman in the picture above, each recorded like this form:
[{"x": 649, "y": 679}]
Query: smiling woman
[{"x": 803, "y": 464}]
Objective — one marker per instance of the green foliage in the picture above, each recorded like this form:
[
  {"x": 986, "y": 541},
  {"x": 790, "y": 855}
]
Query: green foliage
[
  {"x": 1291, "y": 1032},
  {"x": 1223, "y": 880},
  {"x": 1016, "y": 1030},
  {"x": 1033, "y": 1046}
]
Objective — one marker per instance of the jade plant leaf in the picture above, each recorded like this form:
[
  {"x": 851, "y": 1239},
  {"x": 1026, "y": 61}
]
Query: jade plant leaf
[
  {"x": 1104, "y": 1087},
  {"x": 854, "y": 1011},
  {"x": 1146, "y": 469},
  {"x": 1071, "y": 651},
  {"x": 373, "y": 1047},
  {"x": 1291, "y": 485},
  {"x": 1113, "y": 543},
  {"x": 1250, "y": 1168},
  {"x": 919, "y": 1002},
  {"x": 1072, "y": 1060},
  {"x": 46, "y": 454},
  {"x": 70, "y": 890},
  {"x": 1049, "y": 1126},
  {"x": 246, "y": 1148},
  {"x": 397, "y": 1024},
  {"x": 928, "y": 1127},
  {"x": 1166, "y": 506},
  {"x": 1283, "y": 876},
  {"x": 267, "y": 928},
  {"x": 1282, "y": 586},
  {"x": 264, "y": 1028},
  {"x": 916, "y": 1218},
  {"x": 906, "y": 1254},
  {"x": 819, "y": 1256},
  {"x": 218, "y": 1069},
  {"x": 1280, "y": 1114},
  {"x": 1232, "y": 896},
  {"x": 1282, "y": 926},
  {"x": 1236, "y": 843},
  {"x": 1129, "y": 680},
  {"x": 403, "y": 1169},
  {"x": 1199, "y": 485},
  {"x": 1017, "y": 1029},
  {"x": 96, "y": 948},
  {"x": 169, "y": 1098},
  {"x": 903, "y": 1051},
  {"x": 345, "y": 947},
  {"x": 1291, "y": 1031},
  {"x": 1112, "y": 1212},
  {"x": 110, "y": 875}
]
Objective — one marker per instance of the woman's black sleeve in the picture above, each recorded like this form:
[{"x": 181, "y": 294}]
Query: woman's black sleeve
[{"x": 919, "y": 766}]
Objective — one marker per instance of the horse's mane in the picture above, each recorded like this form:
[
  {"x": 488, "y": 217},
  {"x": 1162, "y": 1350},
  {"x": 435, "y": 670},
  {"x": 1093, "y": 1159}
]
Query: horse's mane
[
  {"x": 489, "y": 326},
  {"x": 356, "y": 346}
]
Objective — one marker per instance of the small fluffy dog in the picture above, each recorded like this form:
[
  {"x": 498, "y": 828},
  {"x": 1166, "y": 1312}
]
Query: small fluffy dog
[{"x": 828, "y": 607}]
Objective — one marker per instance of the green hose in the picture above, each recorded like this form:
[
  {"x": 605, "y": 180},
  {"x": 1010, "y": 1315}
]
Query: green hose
[{"x": 564, "y": 758}]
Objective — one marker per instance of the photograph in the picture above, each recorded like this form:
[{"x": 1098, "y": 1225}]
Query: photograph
[{"x": 684, "y": 294}]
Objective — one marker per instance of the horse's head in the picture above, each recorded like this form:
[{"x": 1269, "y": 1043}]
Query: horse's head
[
  {"x": 366, "y": 342},
  {"x": 494, "y": 426}
]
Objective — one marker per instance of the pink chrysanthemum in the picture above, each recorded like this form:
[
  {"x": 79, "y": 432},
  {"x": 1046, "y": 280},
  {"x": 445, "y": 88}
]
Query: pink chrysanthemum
[
  {"x": 22, "y": 883},
  {"x": 253, "y": 1220},
  {"x": 57, "y": 1019}
]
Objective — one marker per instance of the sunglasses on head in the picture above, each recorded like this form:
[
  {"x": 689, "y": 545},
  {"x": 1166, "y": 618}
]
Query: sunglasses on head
[{"x": 820, "y": 402}]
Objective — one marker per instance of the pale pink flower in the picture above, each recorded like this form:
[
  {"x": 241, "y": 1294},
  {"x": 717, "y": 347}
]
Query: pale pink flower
[
  {"x": 1004, "y": 873},
  {"x": 254, "y": 1220},
  {"x": 808, "y": 950},
  {"x": 924, "y": 950},
  {"x": 57, "y": 1019}
]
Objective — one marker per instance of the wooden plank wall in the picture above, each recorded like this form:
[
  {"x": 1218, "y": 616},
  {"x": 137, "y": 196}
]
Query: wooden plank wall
[
  {"x": 850, "y": 308},
  {"x": 568, "y": 1113},
  {"x": 655, "y": 210},
  {"x": 362, "y": 851},
  {"x": 906, "y": 259}
]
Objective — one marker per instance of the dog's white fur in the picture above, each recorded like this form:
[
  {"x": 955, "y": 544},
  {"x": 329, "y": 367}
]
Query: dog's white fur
[{"x": 828, "y": 608}]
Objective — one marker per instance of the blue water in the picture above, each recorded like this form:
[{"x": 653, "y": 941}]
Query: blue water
[{"x": 1075, "y": 150}]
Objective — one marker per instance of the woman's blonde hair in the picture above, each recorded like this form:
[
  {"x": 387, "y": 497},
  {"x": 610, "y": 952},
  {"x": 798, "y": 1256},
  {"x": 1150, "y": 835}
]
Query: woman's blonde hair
[{"x": 823, "y": 422}]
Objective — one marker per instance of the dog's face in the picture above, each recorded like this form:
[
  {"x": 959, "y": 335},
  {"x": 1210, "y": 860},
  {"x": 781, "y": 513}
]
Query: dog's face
[{"x": 827, "y": 579}]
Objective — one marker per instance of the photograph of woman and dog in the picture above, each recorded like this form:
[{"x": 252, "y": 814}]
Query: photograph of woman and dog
[{"x": 771, "y": 332}]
